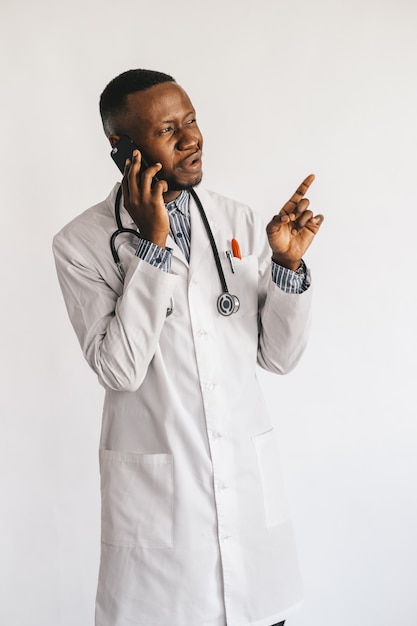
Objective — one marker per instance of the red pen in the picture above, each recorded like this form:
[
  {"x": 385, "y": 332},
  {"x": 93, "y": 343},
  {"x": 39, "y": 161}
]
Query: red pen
[{"x": 236, "y": 249}]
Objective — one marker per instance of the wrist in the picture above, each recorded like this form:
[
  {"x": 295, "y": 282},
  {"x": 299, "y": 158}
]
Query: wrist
[
  {"x": 156, "y": 238},
  {"x": 288, "y": 263}
]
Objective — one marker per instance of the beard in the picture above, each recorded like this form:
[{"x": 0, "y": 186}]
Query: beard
[{"x": 176, "y": 185}]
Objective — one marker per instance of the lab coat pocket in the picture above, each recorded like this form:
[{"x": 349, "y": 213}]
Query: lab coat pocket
[
  {"x": 137, "y": 492},
  {"x": 275, "y": 502}
]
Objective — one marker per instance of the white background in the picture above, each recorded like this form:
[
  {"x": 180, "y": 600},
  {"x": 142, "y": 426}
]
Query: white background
[{"x": 282, "y": 89}]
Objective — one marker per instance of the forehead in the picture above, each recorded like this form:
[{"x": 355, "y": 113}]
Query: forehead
[{"x": 158, "y": 104}]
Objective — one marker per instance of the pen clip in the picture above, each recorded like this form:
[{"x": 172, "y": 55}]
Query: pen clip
[{"x": 230, "y": 257}]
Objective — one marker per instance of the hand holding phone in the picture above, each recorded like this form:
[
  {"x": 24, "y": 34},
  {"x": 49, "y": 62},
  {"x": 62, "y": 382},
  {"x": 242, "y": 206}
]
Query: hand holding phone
[
  {"x": 143, "y": 201},
  {"x": 123, "y": 150}
]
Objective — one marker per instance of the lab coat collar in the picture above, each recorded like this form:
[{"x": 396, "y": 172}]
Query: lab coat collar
[
  {"x": 127, "y": 221},
  {"x": 200, "y": 243}
]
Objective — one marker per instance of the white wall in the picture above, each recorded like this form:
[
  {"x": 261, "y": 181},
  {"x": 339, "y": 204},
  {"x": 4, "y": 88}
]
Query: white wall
[{"x": 282, "y": 89}]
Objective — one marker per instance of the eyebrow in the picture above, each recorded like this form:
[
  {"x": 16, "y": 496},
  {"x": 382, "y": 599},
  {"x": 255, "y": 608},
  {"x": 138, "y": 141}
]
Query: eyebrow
[{"x": 173, "y": 121}]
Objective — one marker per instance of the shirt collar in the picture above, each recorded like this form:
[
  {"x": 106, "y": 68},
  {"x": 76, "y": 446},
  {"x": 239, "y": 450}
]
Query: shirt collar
[{"x": 181, "y": 204}]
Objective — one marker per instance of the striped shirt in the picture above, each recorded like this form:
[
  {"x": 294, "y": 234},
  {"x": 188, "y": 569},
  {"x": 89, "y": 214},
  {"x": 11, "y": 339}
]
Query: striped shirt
[{"x": 180, "y": 231}]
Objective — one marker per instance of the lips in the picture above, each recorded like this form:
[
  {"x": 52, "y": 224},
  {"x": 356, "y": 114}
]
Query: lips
[{"x": 192, "y": 162}]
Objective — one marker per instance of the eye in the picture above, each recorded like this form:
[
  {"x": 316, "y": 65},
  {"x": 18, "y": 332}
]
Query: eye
[
  {"x": 192, "y": 121},
  {"x": 167, "y": 129}
]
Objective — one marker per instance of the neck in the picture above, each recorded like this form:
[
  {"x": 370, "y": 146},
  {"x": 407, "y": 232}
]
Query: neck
[{"x": 169, "y": 196}]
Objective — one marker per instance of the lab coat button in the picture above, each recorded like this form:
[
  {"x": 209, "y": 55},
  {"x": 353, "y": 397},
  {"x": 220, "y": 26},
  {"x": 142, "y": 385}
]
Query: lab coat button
[{"x": 202, "y": 332}]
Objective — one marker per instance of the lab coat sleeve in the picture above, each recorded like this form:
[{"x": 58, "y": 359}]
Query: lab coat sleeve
[
  {"x": 284, "y": 319},
  {"x": 118, "y": 333}
]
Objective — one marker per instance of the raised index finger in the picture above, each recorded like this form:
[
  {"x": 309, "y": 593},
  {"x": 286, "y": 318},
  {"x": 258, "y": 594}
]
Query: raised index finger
[{"x": 302, "y": 189}]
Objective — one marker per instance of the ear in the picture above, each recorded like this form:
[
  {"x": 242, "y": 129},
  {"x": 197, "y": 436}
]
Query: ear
[{"x": 114, "y": 139}]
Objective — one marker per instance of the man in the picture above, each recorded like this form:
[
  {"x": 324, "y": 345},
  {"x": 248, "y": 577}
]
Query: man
[{"x": 194, "y": 525}]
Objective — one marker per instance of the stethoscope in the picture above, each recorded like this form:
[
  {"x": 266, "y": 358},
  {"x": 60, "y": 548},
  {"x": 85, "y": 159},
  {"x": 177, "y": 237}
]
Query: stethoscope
[{"x": 227, "y": 303}]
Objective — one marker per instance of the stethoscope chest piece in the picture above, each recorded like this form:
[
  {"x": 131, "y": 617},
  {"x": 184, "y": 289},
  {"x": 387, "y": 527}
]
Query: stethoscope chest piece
[{"x": 227, "y": 304}]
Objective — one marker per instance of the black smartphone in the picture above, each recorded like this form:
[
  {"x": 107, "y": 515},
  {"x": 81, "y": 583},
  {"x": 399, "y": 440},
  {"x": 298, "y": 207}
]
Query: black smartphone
[{"x": 123, "y": 150}]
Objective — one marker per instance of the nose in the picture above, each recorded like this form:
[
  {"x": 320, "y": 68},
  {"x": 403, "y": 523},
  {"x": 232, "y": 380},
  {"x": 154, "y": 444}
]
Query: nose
[{"x": 188, "y": 138}]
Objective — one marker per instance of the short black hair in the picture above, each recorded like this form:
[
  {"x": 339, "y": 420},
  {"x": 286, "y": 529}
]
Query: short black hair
[{"x": 113, "y": 98}]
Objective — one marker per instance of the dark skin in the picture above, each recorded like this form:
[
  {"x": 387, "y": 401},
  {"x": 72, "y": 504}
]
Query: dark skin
[
  {"x": 292, "y": 231},
  {"x": 161, "y": 120}
]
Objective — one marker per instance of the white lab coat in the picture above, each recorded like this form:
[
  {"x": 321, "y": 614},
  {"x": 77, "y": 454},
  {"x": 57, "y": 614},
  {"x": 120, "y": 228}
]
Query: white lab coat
[{"x": 195, "y": 528}]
